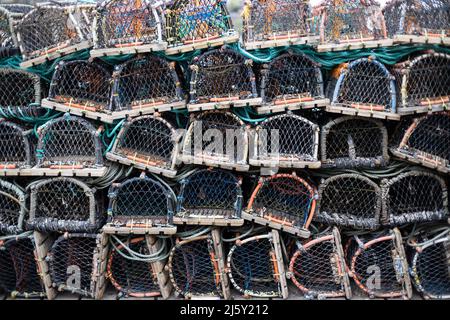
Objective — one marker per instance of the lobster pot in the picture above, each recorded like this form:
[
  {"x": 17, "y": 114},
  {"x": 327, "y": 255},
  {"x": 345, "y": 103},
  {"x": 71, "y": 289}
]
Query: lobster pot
[
  {"x": 65, "y": 205},
  {"x": 16, "y": 146},
  {"x": 350, "y": 142},
  {"x": 425, "y": 141},
  {"x": 349, "y": 200},
  {"x": 366, "y": 87},
  {"x": 138, "y": 277},
  {"x": 81, "y": 85},
  {"x": 198, "y": 24},
  {"x": 424, "y": 82},
  {"x": 68, "y": 143},
  {"x": 197, "y": 267},
  {"x": 379, "y": 267},
  {"x": 351, "y": 21},
  {"x": 210, "y": 197},
  {"x": 429, "y": 265},
  {"x": 147, "y": 83},
  {"x": 127, "y": 26},
  {"x": 77, "y": 264},
  {"x": 414, "y": 196},
  {"x": 318, "y": 268},
  {"x": 283, "y": 201},
  {"x": 147, "y": 143},
  {"x": 256, "y": 268},
  {"x": 221, "y": 77},
  {"x": 19, "y": 274},
  {"x": 140, "y": 205},
  {"x": 12, "y": 208},
  {"x": 406, "y": 18},
  {"x": 291, "y": 81},
  {"x": 275, "y": 23},
  {"x": 285, "y": 141},
  {"x": 10, "y": 14},
  {"x": 217, "y": 139}
]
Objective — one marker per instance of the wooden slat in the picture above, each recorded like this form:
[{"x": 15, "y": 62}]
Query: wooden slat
[
  {"x": 162, "y": 275},
  {"x": 203, "y": 45},
  {"x": 161, "y": 46},
  {"x": 153, "y": 230},
  {"x": 206, "y": 221},
  {"x": 254, "y": 45},
  {"x": 330, "y": 47},
  {"x": 220, "y": 257},
  {"x": 43, "y": 243},
  {"x": 223, "y": 104},
  {"x": 46, "y": 172},
  {"x": 271, "y": 108},
  {"x": 302, "y": 233},
  {"x": 363, "y": 113}
]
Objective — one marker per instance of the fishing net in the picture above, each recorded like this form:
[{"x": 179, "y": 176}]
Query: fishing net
[
  {"x": 16, "y": 146},
  {"x": 13, "y": 210}
]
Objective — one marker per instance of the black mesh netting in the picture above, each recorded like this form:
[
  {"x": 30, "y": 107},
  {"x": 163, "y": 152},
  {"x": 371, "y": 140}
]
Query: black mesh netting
[
  {"x": 12, "y": 208},
  {"x": 16, "y": 146}
]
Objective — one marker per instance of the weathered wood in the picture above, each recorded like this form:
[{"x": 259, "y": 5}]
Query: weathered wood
[
  {"x": 423, "y": 109},
  {"x": 101, "y": 263},
  {"x": 220, "y": 258},
  {"x": 203, "y": 44},
  {"x": 159, "y": 46},
  {"x": 330, "y": 47},
  {"x": 410, "y": 158},
  {"x": 335, "y": 108},
  {"x": 406, "y": 38},
  {"x": 294, "y": 41},
  {"x": 44, "y": 242},
  {"x": 207, "y": 161},
  {"x": 271, "y": 108},
  {"x": 110, "y": 228},
  {"x": 285, "y": 163},
  {"x": 280, "y": 263},
  {"x": 223, "y": 104},
  {"x": 46, "y": 172},
  {"x": 158, "y": 267},
  {"x": 302, "y": 233},
  {"x": 208, "y": 221}
]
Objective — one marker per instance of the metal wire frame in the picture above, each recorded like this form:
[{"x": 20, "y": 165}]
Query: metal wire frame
[
  {"x": 350, "y": 142},
  {"x": 351, "y": 21},
  {"x": 68, "y": 143},
  {"x": 75, "y": 263},
  {"x": 417, "y": 17},
  {"x": 147, "y": 143},
  {"x": 19, "y": 274},
  {"x": 133, "y": 277},
  {"x": 285, "y": 141},
  {"x": 379, "y": 267},
  {"x": 222, "y": 75},
  {"x": 189, "y": 23},
  {"x": 13, "y": 209},
  {"x": 349, "y": 200},
  {"x": 131, "y": 25},
  {"x": 216, "y": 138},
  {"x": 429, "y": 263},
  {"x": 318, "y": 268},
  {"x": 425, "y": 141},
  {"x": 267, "y": 21},
  {"x": 424, "y": 82},
  {"x": 19, "y": 90},
  {"x": 255, "y": 266},
  {"x": 65, "y": 205},
  {"x": 366, "y": 84},
  {"x": 283, "y": 201},
  {"x": 146, "y": 82},
  {"x": 80, "y": 84},
  {"x": 414, "y": 196},
  {"x": 291, "y": 78},
  {"x": 140, "y": 202},
  {"x": 210, "y": 197},
  {"x": 196, "y": 269},
  {"x": 16, "y": 146}
]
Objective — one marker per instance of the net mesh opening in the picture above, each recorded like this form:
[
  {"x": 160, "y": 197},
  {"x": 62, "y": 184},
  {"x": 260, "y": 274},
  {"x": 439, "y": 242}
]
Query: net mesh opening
[
  {"x": 12, "y": 208},
  {"x": 16, "y": 146}
]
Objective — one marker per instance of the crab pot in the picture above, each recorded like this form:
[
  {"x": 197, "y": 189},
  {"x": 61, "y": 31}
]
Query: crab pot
[
  {"x": 291, "y": 81},
  {"x": 275, "y": 23},
  {"x": 378, "y": 265},
  {"x": 79, "y": 84},
  {"x": 351, "y": 21},
  {"x": 283, "y": 201},
  {"x": 16, "y": 146},
  {"x": 286, "y": 141},
  {"x": 140, "y": 205},
  {"x": 350, "y": 142},
  {"x": 197, "y": 267},
  {"x": 425, "y": 141},
  {"x": 349, "y": 200},
  {"x": 10, "y": 14},
  {"x": 139, "y": 277},
  {"x": 318, "y": 268},
  {"x": 50, "y": 31},
  {"x": 255, "y": 266},
  {"x": 220, "y": 78},
  {"x": 366, "y": 87},
  {"x": 414, "y": 196},
  {"x": 198, "y": 24},
  {"x": 429, "y": 18},
  {"x": 424, "y": 83},
  {"x": 217, "y": 139},
  {"x": 77, "y": 264},
  {"x": 210, "y": 197},
  {"x": 146, "y": 84},
  {"x": 147, "y": 143},
  {"x": 430, "y": 266},
  {"x": 19, "y": 275},
  {"x": 127, "y": 26},
  {"x": 64, "y": 205},
  {"x": 12, "y": 208},
  {"x": 69, "y": 143}
]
